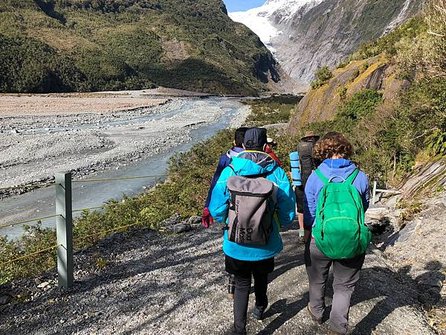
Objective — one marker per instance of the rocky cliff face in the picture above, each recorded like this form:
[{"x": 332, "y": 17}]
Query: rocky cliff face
[{"x": 307, "y": 34}]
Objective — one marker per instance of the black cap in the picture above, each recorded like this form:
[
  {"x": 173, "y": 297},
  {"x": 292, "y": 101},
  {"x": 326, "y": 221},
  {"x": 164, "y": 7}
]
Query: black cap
[
  {"x": 239, "y": 136},
  {"x": 255, "y": 138}
]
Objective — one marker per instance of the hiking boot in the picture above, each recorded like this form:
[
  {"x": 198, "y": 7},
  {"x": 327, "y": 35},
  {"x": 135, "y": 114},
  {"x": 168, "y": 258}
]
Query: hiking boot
[
  {"x": 313, "y": 317},
  {"x": 257, "y": 312},
  {"x": 334, "y": 332}
]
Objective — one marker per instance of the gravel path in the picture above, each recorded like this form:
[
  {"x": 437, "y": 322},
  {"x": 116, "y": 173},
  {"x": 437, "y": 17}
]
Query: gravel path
[{"x": 175, "y": 284}]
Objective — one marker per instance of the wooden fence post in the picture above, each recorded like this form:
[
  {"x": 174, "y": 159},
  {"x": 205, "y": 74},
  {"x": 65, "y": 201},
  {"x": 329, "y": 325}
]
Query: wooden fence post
[{"x": 64, "y": 229}]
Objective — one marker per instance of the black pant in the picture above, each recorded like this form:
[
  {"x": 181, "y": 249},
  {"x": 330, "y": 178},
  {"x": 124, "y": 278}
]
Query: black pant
[
  {"x": 242, "y": 271},
  {"x": 299, "y": 191}
]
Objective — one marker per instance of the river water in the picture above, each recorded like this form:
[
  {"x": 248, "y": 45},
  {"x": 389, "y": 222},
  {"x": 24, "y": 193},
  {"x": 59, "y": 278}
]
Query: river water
[{"x": 88, "y": 193}]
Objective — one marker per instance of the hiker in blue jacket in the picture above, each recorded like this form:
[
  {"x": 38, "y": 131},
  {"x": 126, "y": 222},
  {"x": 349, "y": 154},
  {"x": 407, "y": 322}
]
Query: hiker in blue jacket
[
  {"x": 334, "y": 150},
  {"x": 258, "y": 260},
  {"x": 224, "y": 160}
]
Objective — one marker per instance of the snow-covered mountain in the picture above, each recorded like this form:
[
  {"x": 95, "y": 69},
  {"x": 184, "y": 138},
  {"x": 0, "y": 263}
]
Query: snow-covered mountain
[
  {"x": 265, "y": 20},
  {"x": 306, "y": 34}
]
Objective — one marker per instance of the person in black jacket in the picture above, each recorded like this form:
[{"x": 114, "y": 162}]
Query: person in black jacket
[
  {"x": 307, "y": 165},
  {"x": 224, "y": 161}
]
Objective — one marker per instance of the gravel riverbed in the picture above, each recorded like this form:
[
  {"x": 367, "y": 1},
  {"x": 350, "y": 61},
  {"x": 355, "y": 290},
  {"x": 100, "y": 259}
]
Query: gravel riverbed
[{"x": 35, "y": 146}]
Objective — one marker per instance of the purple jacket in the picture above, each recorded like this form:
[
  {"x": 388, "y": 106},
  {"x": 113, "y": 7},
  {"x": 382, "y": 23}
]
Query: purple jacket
[{"x": 339, "y": 170}]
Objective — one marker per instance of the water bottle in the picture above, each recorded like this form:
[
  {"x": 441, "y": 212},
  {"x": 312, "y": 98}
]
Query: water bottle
[
  {"x": 231, "y": 286},
  {"x": 295, "y": 168}
]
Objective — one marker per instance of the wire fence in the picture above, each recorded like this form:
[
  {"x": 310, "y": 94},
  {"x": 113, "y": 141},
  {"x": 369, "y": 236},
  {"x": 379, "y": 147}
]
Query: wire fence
[
  {"x": 97, "y": 180},
  {"x": 41, "y": 251},
  {"x": 117, "y": 179},
  {"x": 63, "y": 217},
  {"x": 64, "y": 227},
  {"x": 28, "y": 221}
]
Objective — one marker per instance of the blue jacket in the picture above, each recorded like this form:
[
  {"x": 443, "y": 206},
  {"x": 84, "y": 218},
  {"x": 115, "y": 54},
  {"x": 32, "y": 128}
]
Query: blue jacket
[
  {"x": 223, "y": 162},
  {"x": 339, "y": 169},
  {"x": 245, "y": 164}
]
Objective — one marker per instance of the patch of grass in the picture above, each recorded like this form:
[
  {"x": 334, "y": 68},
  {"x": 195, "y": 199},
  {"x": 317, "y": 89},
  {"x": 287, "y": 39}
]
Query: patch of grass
[
  {"x": 275, "y": 109},
  {"x": 34, "y": 239},
  {"x": 410, "y": 209}
]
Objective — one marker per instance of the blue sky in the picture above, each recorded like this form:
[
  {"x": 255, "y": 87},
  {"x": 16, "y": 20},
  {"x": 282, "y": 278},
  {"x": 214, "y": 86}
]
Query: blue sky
[{"x": 241, "y": 5}]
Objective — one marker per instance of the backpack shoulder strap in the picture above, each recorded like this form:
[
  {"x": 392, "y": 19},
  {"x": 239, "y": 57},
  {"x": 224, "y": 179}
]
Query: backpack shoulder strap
[
  {"x": 321, "y": 176},
  {"x": 232, "y": 168},
  {"x": 352, "y": 176}
]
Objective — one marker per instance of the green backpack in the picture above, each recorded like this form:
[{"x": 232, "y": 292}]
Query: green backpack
[{"x": 339, "y": 230}]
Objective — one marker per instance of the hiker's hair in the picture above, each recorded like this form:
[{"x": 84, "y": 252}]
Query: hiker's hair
[
  {"x": 332, "y": 143},
  {"x": 239, "y": 136}
]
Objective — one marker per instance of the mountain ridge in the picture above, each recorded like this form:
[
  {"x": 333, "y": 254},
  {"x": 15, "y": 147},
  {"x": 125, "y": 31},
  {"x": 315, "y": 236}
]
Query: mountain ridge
[
  {"x": 309, "y": 34},
  {"x": 72, "y": 45}
]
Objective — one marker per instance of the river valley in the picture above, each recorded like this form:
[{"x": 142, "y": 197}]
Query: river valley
[{"x": 115, "y": 145}]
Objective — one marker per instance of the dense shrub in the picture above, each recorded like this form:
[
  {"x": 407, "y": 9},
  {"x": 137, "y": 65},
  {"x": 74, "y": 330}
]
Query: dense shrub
[
  {"x": 322, "y": 76},
  {"x": 30, "y": 66},
  {"x": 360, "y": 105},
  {"x": 271, "y": 110}
]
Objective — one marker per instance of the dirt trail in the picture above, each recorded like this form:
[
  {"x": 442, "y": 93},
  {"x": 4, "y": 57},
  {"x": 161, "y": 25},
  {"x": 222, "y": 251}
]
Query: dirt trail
[{"x": 156, "y": 284}]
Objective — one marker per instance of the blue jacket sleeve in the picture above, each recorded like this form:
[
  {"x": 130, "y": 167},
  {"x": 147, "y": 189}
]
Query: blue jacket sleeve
[
  {"x": 312, "y": 189},
  {"x": 219, "y": 204},
  {"x": 222, "y": 163},
  {"x": 286, "y": 201},
  {"x": 362, "y": 185}
]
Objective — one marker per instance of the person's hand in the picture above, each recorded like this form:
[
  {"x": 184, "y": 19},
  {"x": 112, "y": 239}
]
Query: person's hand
[{"x": 206, "y": 218}]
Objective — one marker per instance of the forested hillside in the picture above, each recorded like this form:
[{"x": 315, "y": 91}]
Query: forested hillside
[{"x": 91, "y": 45}]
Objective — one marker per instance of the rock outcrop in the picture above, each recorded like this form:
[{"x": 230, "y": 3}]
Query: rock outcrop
[
  {"x": 322, "y": 104},
  {"x": 412, "y": 243}
]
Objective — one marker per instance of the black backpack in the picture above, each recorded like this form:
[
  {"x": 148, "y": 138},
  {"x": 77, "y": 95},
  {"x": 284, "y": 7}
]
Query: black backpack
[{"x": 307, "y": 163}]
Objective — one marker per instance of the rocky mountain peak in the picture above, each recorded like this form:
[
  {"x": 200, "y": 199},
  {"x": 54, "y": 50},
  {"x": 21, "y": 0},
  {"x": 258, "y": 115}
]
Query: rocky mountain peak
[{"x": 304, "y": 35}]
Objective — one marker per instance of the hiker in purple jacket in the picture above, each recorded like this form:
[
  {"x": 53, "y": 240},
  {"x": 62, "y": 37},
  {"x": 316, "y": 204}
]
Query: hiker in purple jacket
[
  {"x": 334, "y": 150},
  {"x": 224, "y": 161}
]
